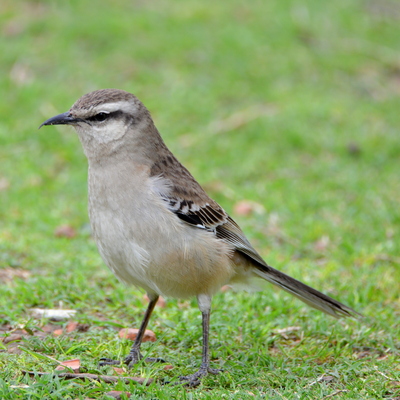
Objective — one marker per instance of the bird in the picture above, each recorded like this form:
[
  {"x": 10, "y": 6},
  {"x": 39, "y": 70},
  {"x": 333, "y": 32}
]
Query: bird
[{"x": 154, "y": 225}]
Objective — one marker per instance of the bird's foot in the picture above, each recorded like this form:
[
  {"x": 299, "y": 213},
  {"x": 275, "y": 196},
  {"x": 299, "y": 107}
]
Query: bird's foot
[
  {"x": 194, "y": 380},
  {"x": 108, "y": 361},
  {"x": 130, "y": 360}
]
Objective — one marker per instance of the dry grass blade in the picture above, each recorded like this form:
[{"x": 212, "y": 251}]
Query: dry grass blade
[{"x": 104, "y": 378}]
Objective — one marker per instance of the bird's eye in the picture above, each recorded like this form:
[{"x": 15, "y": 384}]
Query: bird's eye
[{"x": 101, "y": 116}]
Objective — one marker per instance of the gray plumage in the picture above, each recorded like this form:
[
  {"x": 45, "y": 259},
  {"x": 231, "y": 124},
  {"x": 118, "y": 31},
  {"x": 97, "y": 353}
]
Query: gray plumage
[{"x": 154, "y": 225}]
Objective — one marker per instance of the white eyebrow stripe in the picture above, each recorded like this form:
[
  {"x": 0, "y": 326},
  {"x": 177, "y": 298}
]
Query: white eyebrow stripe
[{"x": 124, "y": 106}]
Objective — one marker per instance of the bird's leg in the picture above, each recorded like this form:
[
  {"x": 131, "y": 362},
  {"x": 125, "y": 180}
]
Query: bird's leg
[
  {"x": 134, "y": 354},
  {"x": 204, "y": 302}
]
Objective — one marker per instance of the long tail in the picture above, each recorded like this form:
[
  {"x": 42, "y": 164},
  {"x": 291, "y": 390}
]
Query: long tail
[
  {"x": 232, "y": 234},
  {"x": 305, "y": 293}
]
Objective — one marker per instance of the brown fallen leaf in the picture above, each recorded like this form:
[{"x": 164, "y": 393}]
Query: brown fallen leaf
[
  {"x": 14, "y": 337},
  {"x": 71, "y": 326},
  {"x": 49, "y": 328},
  {"x": 168, "y": 367},
  {"x": 118, "y": 394},
  {"x": 131, "y": 333},
  {"x": 58, "y": 332},
  {"x": 76, "y": 326},
  {"x": 73, "y": 365},
  {"x": 104, "y": 378},
  {"x": 11, "y": 337},
  {"x": 14, "y": 349},
  {"x": 65, "y": 231},
  {"x": 119, "y": 371}
]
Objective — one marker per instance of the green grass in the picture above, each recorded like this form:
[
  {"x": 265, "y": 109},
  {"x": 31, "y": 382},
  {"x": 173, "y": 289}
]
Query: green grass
[{"x": 313, "y": 90}]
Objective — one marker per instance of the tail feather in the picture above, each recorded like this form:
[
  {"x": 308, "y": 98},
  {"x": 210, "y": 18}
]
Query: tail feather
[
  {"x": 305, "y": 293},
  {"x": 231, "y": 233}
]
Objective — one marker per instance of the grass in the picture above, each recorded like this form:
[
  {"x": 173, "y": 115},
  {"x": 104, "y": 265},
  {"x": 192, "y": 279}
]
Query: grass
[{"x": 292, "y": 105}]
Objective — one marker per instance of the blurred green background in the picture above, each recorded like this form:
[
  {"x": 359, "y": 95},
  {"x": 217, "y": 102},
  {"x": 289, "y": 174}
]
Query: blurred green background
[{"x": 289, "y": 106}]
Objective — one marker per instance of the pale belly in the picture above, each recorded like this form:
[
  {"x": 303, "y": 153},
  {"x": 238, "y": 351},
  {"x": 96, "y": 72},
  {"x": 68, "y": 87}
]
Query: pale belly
[{"x": 166, "y": 257}]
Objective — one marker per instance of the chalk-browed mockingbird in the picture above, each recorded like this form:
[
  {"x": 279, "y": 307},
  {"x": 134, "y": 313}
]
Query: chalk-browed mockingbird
[{"x": 154, "y": 225}]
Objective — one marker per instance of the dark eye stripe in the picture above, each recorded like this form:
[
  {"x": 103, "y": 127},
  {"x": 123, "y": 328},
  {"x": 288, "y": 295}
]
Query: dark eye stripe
[{"x": 101, "y": 116}]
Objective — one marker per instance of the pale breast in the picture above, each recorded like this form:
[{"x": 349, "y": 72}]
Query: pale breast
[{"x": 147, "y": 245}]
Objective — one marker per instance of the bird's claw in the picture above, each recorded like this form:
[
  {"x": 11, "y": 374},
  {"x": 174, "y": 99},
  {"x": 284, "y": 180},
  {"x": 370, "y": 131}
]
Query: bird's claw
[
  {"x": 130, "y": 360},
  {"x": 194, "y": 380},
  {"x": 108, "y": 361}
]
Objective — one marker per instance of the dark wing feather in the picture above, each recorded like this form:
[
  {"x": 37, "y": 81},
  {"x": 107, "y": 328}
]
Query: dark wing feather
[
  {"x": 212, "y": 217},
  {"x": 208, "y": 216},
  {"x": 226, "y": 229},
  {"x": 192, "y": 205},
  {"x": 191, "y": 219}
]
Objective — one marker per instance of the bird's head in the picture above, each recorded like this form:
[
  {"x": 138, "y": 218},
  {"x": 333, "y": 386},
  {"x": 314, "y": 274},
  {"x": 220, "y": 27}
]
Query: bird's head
[{"x": 104, "y": 117}]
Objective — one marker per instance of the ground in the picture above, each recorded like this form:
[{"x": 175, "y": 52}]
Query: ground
[{"x": 287, "y": 113}]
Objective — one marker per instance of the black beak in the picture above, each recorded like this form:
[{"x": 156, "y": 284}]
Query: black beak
[{"x": 61, "y": 119}]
